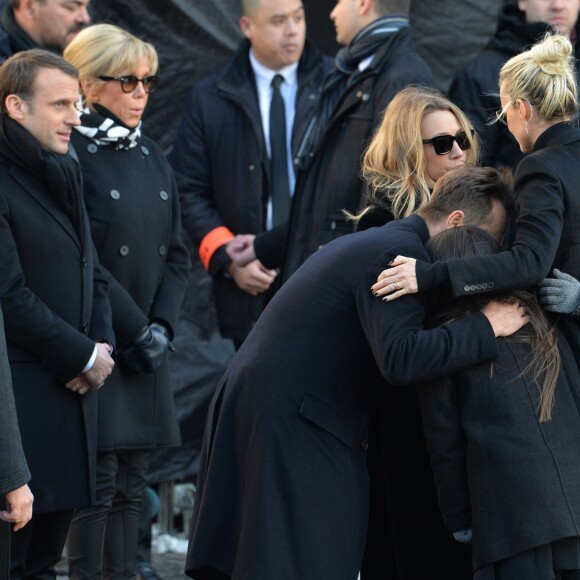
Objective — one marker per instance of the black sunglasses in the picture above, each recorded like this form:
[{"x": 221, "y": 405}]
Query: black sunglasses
[
  {"x": 444, "y": 143},
  {"x": 129, "y": 82}
]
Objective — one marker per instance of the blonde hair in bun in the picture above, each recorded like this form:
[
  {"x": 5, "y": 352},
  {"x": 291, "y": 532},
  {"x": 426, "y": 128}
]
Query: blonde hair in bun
[{"x": 545, "y": 76}]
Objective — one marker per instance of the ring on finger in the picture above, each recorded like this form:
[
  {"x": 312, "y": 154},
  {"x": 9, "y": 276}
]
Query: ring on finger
[{"x": 397, "y": 286}]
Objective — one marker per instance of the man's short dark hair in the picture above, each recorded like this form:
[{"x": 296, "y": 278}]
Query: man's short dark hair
[
  {"x": 384, "y": 7},
  {"x": 471, "y": 190},
  {"x": 18, "y": 73}
]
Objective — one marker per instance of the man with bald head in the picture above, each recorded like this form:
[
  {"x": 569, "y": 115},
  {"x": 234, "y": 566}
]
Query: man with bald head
[{"x": 233, "y": 157}]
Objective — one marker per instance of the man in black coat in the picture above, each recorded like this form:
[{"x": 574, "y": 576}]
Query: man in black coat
[
  {"x": 377, "y": 61},
  {"x": 54, "y": 298},
  {"x": 49, "y": 24},
  {"x": 521, "y": 23},
  {"x": 283, "y": 489},
  {"x": 222, "y": 153}
]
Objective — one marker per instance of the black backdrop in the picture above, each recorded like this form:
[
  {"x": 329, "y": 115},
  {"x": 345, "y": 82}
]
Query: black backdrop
[{"x": 194, "y": 38}]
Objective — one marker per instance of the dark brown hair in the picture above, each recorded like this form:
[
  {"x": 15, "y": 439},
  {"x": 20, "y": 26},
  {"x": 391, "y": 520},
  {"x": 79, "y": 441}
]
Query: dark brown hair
[
  {"x": 18, "y": 73},
  {"x": 540, "y": 333}
]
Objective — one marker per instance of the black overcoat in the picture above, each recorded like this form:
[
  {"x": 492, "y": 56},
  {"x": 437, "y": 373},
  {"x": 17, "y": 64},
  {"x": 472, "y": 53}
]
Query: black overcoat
[
  {"x": 14, "y": 473},
  {"x": 514, "y": 480},
  {"x": 331, "y": 182},
  {"x": 55, "y": 304},
  {"x": 283, "y": 486},
  {"x": 133, "y": 206},
  {"x": 547, "y": 200},
  {"x": 222, "y": 167}
]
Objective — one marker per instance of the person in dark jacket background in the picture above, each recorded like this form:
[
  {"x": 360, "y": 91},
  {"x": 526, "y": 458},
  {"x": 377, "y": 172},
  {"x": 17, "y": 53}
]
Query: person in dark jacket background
[
  {"x": 521, "y": 23},
  {"x": 48, "y": 24},
  {"x": 222, "y": 153},
  {"x": 133, "y": 206},
  {"x": 376, "y": 62}
]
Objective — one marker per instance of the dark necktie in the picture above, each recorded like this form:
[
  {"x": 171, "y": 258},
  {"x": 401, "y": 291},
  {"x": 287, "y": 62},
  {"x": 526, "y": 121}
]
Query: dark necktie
[{"x": 279, "y": 185}]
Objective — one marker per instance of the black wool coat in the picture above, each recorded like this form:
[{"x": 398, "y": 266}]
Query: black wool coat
[
  {"x": 55, "y": 304},
  {"x": 514, "y": 480},
  {"x": 283, "y": 490},
  {"x": 222, "y": 168},
  {"x": 14, "y": 472},
  {"x": 331, "y": 181},
  {"x": 133, "y": 206}
]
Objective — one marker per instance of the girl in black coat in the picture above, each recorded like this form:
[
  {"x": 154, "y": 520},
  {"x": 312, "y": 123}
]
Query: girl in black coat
[
  {"x": 504, "y": 440},
  {"x": 133, "y": 206}
]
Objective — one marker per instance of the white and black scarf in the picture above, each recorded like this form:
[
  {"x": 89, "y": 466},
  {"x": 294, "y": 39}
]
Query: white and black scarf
[{"x": 105, "y": 130}]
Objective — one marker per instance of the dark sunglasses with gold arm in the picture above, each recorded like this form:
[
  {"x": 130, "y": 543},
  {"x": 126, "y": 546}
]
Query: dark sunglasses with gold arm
[{"x": 129, "y": 82}]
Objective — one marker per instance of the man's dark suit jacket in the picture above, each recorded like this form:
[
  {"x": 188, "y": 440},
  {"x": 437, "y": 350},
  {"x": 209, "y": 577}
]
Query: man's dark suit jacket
[{"x": 283, "y": 488}]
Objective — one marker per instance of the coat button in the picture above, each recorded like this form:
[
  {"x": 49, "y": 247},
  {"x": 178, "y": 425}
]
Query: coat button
[
  {"x": 333, "y": 225},
  {"x": 84, "y": 262},
  {"x": 366, "y": 97},
  {"x": 85, "y": 327},
  {"x": 144, "y": 150},
  {"x": 115, "y": 194},
  {"x": 466, "y": 288},
  {"x": 162, "y": 250},
  {"x": 164, "y": 195},
  {"x": 124, "y": 250},
  {"x": 364, "y": 444},
  {"x": 251, "y": 167},
  {"x": 92, "y": 148},
  {"x": 359, "y": 94}
]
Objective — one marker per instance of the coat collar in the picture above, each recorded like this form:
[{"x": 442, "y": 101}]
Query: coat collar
[{"x": 558, "y": 134}]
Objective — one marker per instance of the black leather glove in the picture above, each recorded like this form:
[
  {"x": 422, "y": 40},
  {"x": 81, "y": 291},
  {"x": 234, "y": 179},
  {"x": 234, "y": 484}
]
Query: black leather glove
[{"x": 148, "y": 349}]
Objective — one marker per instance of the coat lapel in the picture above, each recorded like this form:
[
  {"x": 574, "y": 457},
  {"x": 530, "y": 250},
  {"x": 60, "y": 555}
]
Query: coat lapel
[{"x": 38, "y": 192}]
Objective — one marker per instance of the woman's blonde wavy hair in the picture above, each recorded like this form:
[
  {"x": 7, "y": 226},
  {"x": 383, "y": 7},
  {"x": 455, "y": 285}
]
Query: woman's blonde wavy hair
[
  {"x": 545, "y": 76},
  {"x": 107, "y": 50},
  {"x": 394, "y": 162}
]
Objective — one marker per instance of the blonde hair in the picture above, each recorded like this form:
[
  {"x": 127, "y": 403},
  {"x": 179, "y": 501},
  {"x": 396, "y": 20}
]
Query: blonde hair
[
  {"x": 545, "y": 76},
  {"x": 394, "y": 162},
  {"x": 105, "y": 49}
]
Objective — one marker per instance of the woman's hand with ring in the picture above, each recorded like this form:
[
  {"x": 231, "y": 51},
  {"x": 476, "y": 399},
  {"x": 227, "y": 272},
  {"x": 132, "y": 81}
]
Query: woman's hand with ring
[{"x": 397, "y": 280}]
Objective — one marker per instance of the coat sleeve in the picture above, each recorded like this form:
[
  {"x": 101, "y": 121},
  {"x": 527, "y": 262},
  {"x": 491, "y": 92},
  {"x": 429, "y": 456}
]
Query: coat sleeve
[
  {"x": 405, "y": 352},
  {"x": 30, "y": 323},
  {"x": 14, "y": 472},
  {"x": 192, "y": 166},
  {"x": 101, "y": 327},
  {"x": 447, "y": 445}
]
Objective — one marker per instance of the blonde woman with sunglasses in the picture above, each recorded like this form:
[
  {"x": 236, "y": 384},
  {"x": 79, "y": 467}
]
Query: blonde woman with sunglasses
[{"x": 133, "y": 207}]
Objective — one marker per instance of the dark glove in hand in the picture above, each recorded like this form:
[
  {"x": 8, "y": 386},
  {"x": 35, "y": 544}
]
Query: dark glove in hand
[{"x": 149, "y": 349}]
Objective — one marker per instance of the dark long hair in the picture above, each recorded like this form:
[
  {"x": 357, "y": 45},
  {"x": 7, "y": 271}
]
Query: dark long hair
[{"x": 540, "y": 333}]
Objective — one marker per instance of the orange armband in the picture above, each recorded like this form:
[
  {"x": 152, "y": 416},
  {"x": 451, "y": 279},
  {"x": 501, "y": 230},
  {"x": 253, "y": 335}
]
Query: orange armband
[{"x": 211, "y": 242}]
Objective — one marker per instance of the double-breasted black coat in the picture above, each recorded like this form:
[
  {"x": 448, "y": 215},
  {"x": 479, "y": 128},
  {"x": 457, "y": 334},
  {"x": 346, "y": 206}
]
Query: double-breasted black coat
[
  {"x": 514, "y": 480},
  {"x": 283, "y": 486},
  {"x": 55, "y": 304},
  {"x": 222, "y": 168},
  {"x": 133, "y": 206},
  {"x": 331, "y": 181},
  {"x": 547, "y": 204}
]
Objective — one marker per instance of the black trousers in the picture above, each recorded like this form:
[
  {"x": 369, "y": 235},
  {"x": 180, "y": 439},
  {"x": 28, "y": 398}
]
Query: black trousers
[
  {"x": 103, "y": 538},
  {"x": 37, "y": 547}
]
